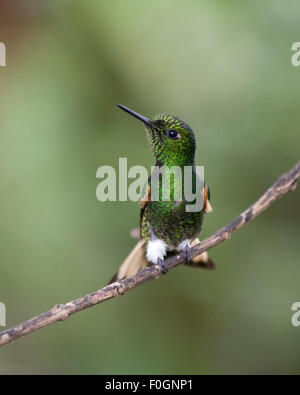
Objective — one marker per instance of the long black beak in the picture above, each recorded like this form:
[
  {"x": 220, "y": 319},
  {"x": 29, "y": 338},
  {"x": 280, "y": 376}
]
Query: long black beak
[{"x": 136, "y": 115}]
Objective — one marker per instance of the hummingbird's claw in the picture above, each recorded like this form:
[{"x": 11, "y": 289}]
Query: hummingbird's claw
[
  {"x": 161, "y": 264},
  {"x": 188, "y": 253}
]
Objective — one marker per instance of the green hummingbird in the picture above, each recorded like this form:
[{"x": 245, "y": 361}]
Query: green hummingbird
[{"x": 166, "y": 226}]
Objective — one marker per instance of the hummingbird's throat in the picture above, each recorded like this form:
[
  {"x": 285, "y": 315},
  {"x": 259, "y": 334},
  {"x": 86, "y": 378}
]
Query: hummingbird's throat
[{"x": 169, "y": 153}]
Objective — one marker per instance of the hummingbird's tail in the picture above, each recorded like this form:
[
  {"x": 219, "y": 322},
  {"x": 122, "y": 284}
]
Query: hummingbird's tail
[
  {"x": 202, "y": 260},
  {"x": 135, "y": 262}
]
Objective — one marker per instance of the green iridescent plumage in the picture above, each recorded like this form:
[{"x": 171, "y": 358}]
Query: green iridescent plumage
[
  {"x": 169, "y": 219},
  {"x": 166, "y": 221}
]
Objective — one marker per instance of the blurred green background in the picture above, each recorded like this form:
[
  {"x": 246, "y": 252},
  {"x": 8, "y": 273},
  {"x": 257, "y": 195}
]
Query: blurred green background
[{"x": 225, "y": 68}]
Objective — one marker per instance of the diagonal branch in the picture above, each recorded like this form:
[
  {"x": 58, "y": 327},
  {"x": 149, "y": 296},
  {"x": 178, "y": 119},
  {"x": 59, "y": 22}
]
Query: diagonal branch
[{"x": 60, "y": 312}]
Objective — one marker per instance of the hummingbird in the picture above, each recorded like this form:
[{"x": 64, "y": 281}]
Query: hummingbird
[{"x": 166, "y": 226}]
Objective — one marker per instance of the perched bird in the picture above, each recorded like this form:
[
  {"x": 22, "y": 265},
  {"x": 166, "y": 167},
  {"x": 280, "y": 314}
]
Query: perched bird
[{"x": 166, "y": 225}]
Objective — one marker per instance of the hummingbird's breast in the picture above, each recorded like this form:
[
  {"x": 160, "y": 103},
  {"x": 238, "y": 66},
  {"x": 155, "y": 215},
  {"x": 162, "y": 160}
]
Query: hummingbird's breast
[
  {"x": 166, "y": 214},
  {"x": 171, "y": 222}
]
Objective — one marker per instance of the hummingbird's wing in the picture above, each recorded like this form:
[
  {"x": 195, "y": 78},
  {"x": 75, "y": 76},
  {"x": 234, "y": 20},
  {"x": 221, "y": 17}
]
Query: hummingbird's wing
[
  {"x": 143, "y": 204},
  {"x": 206, "y": 195},
  {"x": 203, "y": 259},
  {"x": 136, "y": 260}
]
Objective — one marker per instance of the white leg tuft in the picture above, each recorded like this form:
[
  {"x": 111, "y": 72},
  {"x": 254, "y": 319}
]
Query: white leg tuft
[
  {"x": 156, "y": 249},
  {"x": 182, "y": 246}
]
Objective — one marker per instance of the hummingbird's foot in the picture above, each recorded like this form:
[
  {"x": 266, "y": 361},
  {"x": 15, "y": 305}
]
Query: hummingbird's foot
[
  {"x": 161, "y": 264},
  {"x": 188, "y": 253}
]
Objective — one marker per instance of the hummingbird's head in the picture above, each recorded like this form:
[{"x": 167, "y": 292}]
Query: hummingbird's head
[{"x": 172, "y": 140}]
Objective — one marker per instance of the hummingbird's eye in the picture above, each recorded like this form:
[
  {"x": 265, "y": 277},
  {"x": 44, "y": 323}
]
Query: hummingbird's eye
[{"x": 172, "y": 134}]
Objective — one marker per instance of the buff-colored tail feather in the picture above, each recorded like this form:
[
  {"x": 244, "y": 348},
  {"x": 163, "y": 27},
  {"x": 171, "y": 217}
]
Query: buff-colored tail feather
[
  {"x": 202, "y": 259},
  {"x": 135, "y": 262}
]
